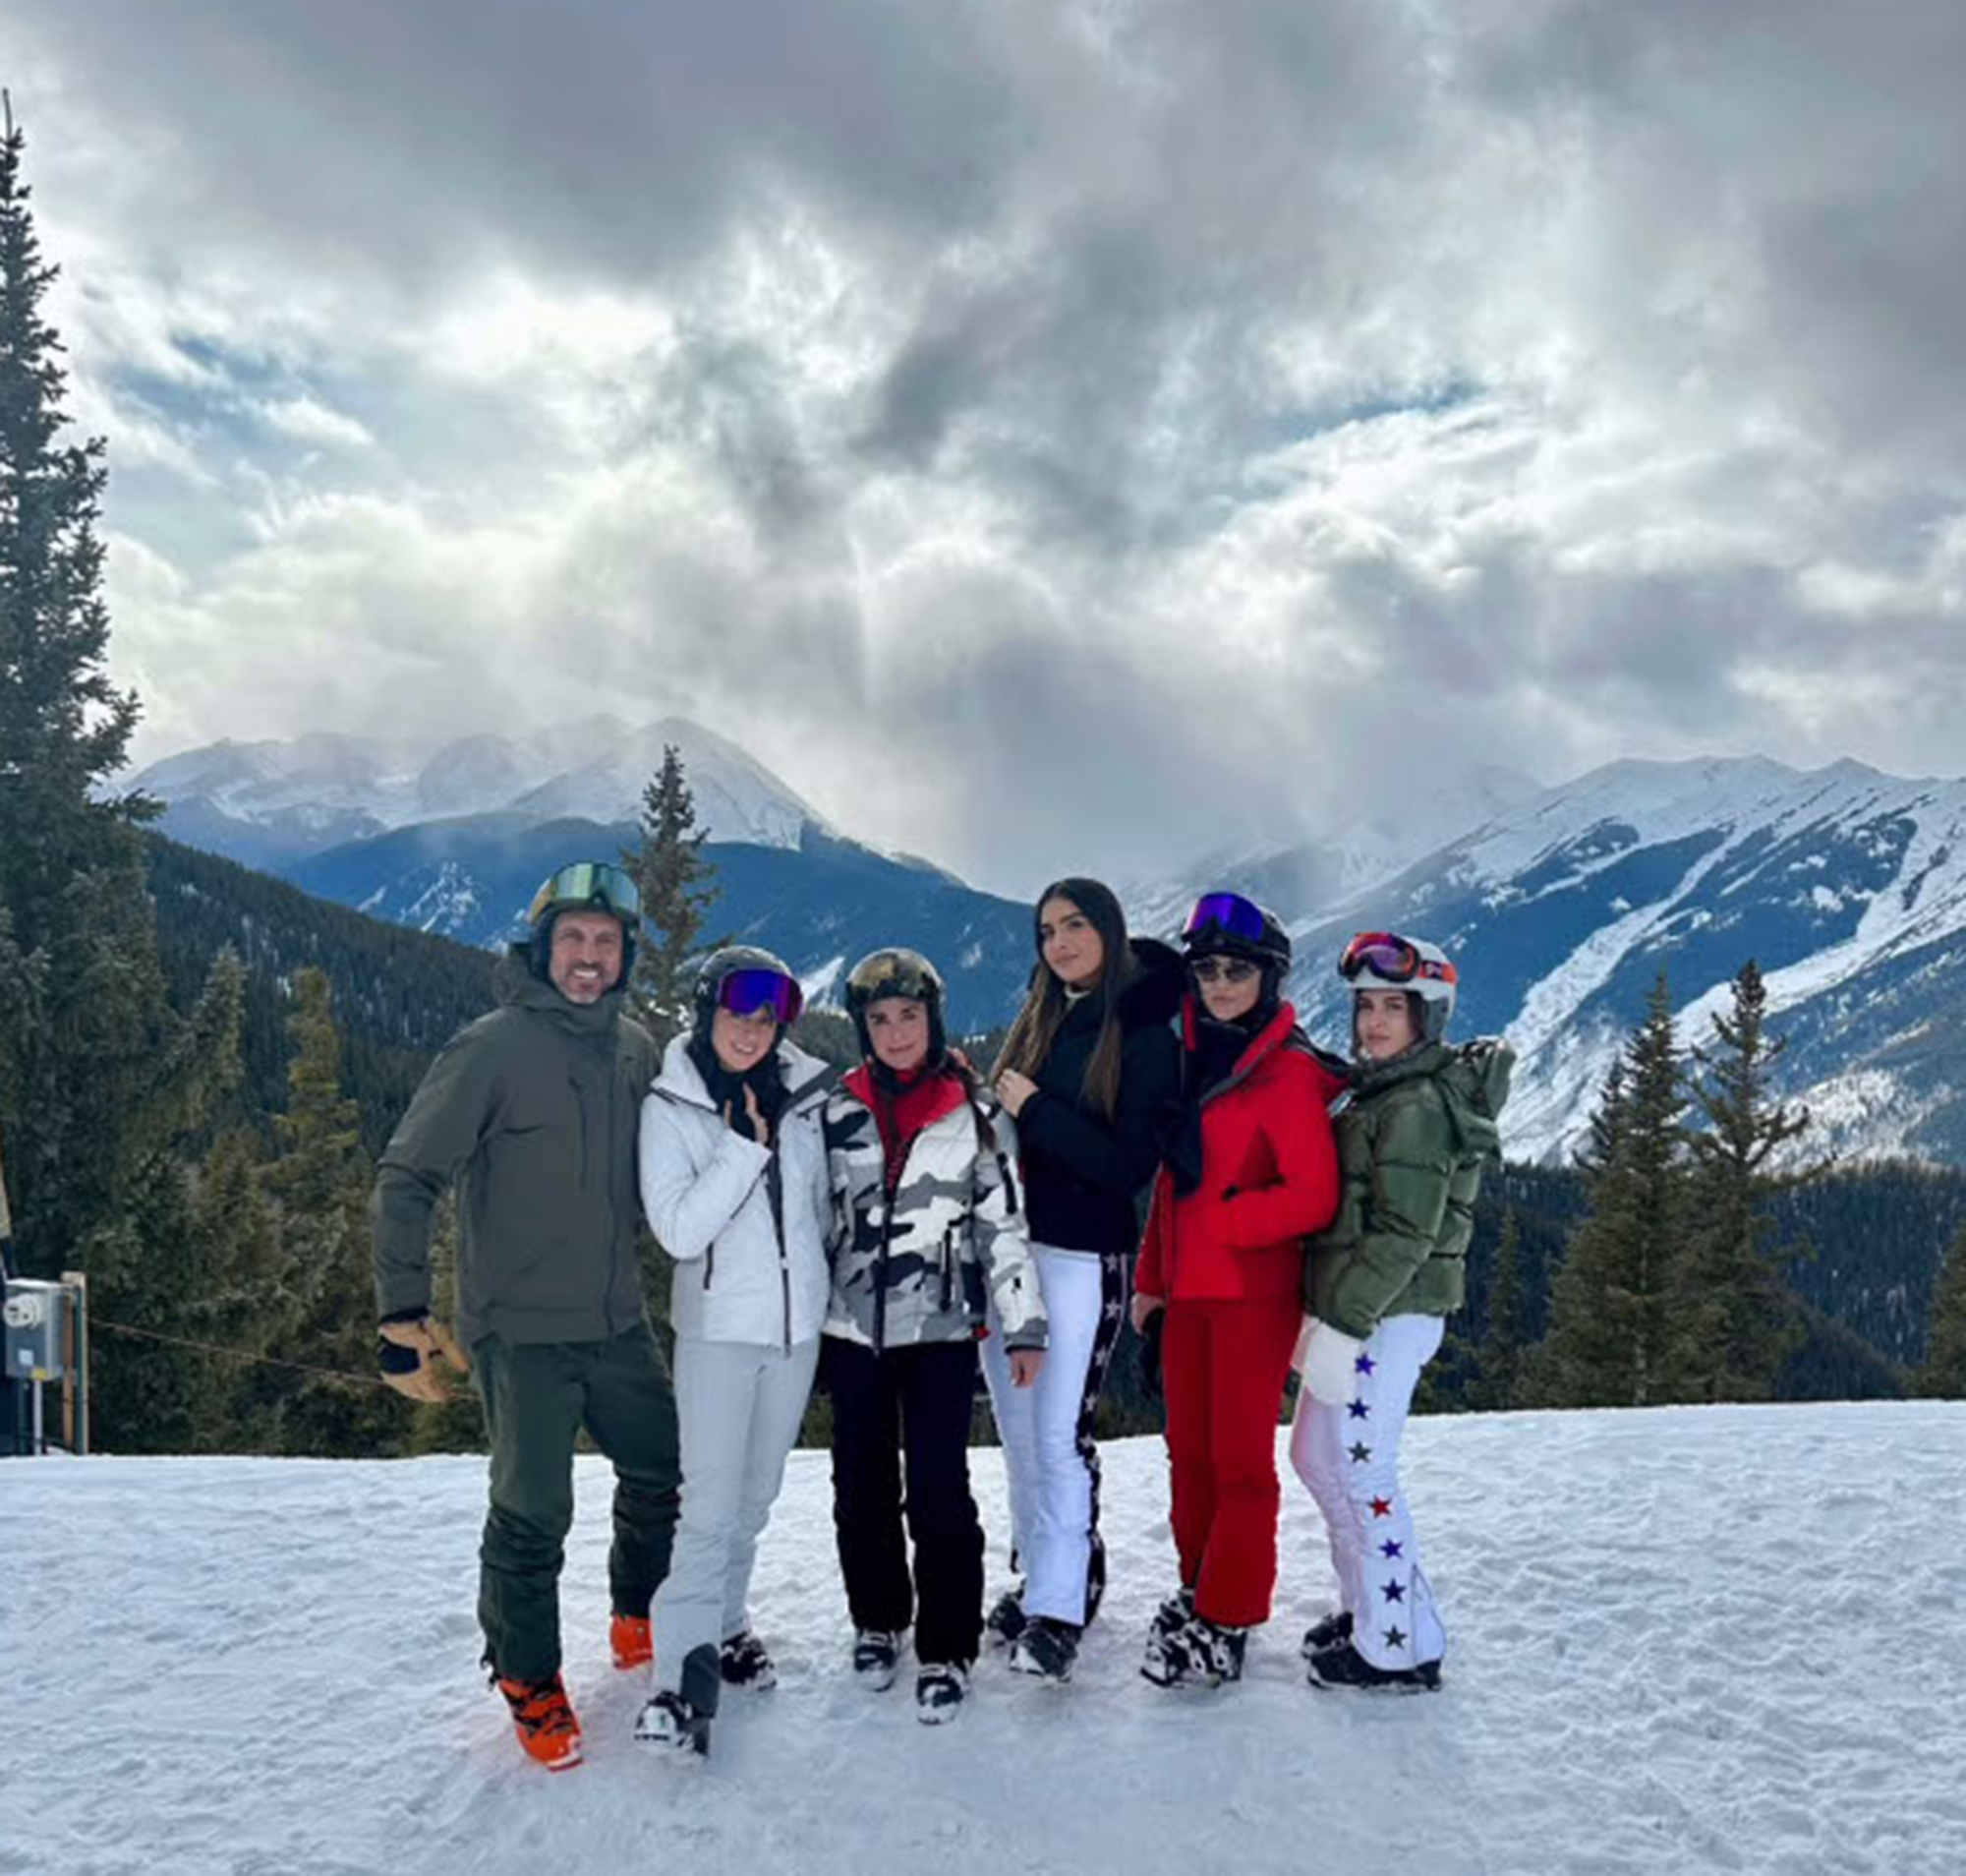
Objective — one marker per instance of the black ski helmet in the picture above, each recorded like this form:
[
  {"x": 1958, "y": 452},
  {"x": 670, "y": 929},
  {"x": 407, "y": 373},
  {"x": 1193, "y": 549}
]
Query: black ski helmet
[
  {"x": 897, "y": 972},
  {"x": 725, "y": 962},
  {"x": 583, "y": 886}
]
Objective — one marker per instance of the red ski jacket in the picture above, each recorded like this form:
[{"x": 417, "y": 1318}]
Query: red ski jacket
[{"x": 1269, "y": 1177}]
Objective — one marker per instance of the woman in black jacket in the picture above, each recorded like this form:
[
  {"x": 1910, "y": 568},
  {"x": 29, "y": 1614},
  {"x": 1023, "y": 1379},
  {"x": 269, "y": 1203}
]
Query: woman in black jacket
[{"x": 1091, "y": 1069}]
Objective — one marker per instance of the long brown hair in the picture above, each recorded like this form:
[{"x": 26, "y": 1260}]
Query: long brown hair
[{"x": 1036, "y": 1027}]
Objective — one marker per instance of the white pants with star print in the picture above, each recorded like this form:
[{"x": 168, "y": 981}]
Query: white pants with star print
[
  {"x": 1349, "y": 1456},
  {"x": 1050, "y": 1461}
]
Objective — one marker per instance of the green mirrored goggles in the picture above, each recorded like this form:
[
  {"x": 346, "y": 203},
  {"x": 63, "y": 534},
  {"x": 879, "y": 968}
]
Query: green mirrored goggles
[{"x": 593, "y": 885}]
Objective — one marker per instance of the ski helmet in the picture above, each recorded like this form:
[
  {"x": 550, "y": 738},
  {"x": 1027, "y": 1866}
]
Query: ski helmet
[
  {"x": 1384, "y": 960},
  {"x": 897, "y": 972},
  {"x": 742, "y": 979},
  {"x": 584, "y": 886},
  {"x": 1225, "y": 925}
]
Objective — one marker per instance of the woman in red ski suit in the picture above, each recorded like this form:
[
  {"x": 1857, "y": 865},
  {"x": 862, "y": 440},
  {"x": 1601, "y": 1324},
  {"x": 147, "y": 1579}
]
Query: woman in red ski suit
[{"x": 1249, "y": 1170}]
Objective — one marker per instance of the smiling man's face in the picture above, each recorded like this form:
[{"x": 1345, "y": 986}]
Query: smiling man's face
[{"x": 585, "y": 959}]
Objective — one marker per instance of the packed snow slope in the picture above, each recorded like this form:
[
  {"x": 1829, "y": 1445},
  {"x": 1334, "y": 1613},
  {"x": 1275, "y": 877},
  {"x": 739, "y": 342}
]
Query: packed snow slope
[{"x": 1690, "y": 1640}]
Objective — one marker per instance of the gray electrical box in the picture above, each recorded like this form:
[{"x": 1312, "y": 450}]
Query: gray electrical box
[{"x": 34, "y": 1315}]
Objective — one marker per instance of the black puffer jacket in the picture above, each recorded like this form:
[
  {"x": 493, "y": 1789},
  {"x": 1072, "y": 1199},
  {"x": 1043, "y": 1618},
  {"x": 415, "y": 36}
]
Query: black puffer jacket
[{"x": 1083, "y": 1173}]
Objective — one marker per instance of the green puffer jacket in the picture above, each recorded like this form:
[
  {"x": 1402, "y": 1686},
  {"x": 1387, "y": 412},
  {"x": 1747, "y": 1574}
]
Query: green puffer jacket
[
  {"x": 533, "y": 1110},
  {"x": 1412, "y": 1146}
]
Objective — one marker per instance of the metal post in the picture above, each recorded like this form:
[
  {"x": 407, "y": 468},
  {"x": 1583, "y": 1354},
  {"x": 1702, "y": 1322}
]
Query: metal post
[
  {"x": 40, "y": 1446},
  {"x": 75, "y": 1383}
]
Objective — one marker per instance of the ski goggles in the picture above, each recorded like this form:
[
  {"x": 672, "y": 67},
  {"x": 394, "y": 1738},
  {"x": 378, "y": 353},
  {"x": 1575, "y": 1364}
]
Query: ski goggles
[
  {"x": 588, "y": 883},
  {"x": 1228, "y": 913},
  {"x": 1393, "y": 959},
  {"x": 745, "y": 992}
]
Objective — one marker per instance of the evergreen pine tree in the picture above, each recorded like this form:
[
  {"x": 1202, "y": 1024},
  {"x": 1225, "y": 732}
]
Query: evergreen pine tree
[
  {"x": 1499, "y": 1357},
  {"x": 1943, "y": 1375},
  {"x": 674, "y": 879},
  {"x": 1610, "y": 1301},
  {"x": 319, "y": 1181},
  {"x": 78, "y": 948},
  {"x": 1733, "y": 1321},
  {"x": 234, "y": 1296}
]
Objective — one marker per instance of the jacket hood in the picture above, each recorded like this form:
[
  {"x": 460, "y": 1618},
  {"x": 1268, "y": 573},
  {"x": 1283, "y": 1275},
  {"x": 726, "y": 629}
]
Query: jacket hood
[
  {"x": 1472, "y": 1080},
  {"x": 807, "y": 1079},
  {"x": 1153, "y": 991}
]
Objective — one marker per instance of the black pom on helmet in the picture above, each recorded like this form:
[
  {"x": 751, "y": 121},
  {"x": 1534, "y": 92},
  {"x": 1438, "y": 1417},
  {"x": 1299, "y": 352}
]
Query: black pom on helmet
[{"x": 897, "y": 972}]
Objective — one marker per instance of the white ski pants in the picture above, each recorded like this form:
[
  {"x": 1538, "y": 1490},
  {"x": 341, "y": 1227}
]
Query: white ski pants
[
  {"x": 1347, "y": 1454},
  {"x": 738, "y": 1408},
  {"x": 1048, "y": 1457}
]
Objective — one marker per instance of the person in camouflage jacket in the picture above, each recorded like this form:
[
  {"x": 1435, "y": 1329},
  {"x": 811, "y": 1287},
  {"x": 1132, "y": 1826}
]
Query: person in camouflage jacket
[
  {"x": 926, "y": 1220},
  {"x": 1412, "y": 1143}
]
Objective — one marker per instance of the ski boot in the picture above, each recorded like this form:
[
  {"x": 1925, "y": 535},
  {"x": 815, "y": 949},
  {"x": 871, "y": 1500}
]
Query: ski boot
[
  {"x": 632, "y": 1641},
  {"x": 743, "y": 1663},
  {"x": 1046, "y": 1649},
  {"x": 877, "y": 1658},
  {"x": 1327, "y": 1633},
  {"x": 1203, "y": 1653},
  {"x": 1005, "y": 1620},
  {"x": 1343, "y": 1665},
  {"x": 680, "y": 1719},
  {"x": 1174, "y": 1614},
  {"x": 939, "y": 1692},
  {"x": 543, "y": 1718}
]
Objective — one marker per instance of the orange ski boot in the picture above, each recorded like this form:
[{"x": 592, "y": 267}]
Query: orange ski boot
[
  {"x": 544, "y": 1719},
  {"x": 632, "y": 1640}
]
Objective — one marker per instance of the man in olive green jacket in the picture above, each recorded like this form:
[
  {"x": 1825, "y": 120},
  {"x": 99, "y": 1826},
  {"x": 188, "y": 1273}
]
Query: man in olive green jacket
[{"x": 533, "y": 1111}]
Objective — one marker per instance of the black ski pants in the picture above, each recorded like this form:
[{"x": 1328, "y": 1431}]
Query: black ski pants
[
  {"x": 537, "y": 1397},
  {"x": 907, "y": 1405}
]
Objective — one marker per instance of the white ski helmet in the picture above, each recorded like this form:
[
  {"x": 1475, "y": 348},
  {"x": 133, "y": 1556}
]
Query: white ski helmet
[{"x": 1384, "y": 960}]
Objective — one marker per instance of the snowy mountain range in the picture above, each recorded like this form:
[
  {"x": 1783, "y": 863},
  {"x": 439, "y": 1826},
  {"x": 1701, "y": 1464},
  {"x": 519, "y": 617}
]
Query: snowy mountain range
[
  {"x": 272, "y": 804},
  {"x": 1846, "y": 886}
]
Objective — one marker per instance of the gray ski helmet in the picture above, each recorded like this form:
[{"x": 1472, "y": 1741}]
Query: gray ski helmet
[
  {"x": 724, "y": 963},
  {"x": 897, "y": 972},
  {"x": 1384, "y": 960}
]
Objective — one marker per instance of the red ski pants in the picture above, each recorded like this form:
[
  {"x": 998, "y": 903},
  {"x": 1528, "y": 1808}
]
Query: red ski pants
[{"x": 1224, "y": 1365}]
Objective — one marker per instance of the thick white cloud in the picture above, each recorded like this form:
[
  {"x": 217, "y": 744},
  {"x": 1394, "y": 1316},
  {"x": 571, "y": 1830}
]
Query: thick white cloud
[{"x": 1048, "y": 435}]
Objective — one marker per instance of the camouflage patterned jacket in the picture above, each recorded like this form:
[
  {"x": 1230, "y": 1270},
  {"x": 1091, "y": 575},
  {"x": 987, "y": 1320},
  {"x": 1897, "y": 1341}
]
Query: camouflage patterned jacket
[{"x": 914, "y": 1270}]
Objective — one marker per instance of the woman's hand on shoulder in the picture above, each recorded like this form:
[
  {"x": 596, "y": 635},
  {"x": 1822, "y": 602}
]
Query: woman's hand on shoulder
[{"x": 1013, "y": 1090}]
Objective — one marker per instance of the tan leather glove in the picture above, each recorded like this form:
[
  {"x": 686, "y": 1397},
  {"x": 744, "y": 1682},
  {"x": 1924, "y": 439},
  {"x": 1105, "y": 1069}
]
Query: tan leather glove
[{"x": 426, "y": 1339}]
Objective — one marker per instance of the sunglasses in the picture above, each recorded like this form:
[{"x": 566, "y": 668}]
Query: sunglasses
[
  {"x": 1227, "y": 912},
  {"x": 1396, "y": 960},
  {"x": 1223, "y": 970},
  {"x": 589, "y": 883},
  {"x": 744, "y": 992}
]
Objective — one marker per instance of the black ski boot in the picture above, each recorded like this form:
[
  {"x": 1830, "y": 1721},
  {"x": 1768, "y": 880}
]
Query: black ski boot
[
  {"x": 743, "y": 1663},
  {"x": 940, "y": 1688},
  {"x": 1327, "y": 1633},
  {"x": 1046, "y": 1649},
  {"x": 1005, "y": 1620},
  {"x": 877, "y": 1658},
  {"x": 1345, "y": 1667},
  {"x": 680, "y": 1719}
]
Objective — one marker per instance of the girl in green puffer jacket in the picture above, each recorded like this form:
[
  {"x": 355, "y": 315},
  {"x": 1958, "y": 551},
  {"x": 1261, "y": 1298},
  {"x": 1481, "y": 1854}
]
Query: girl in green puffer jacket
[{"x": 1378, "y": 1284}]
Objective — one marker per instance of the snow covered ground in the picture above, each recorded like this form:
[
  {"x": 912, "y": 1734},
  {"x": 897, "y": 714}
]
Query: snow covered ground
[{"x": 1725, "y": 1639}]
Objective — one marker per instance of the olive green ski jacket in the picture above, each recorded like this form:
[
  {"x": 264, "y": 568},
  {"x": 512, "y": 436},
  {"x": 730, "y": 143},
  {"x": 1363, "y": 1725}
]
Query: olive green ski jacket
[
  {"x": 1412, "y": 1146},
  {"x": 533, "y": 1110}
]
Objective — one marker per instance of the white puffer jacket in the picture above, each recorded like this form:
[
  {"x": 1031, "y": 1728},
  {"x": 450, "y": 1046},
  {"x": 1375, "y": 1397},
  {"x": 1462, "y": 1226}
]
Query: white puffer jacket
[{"x": 743, "y": 1222}]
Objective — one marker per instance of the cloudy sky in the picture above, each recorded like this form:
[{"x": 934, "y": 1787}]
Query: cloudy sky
[{"x": 1044, "y": 433}]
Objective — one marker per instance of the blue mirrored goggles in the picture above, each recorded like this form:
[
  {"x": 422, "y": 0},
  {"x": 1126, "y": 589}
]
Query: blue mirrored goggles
[
  {"x": 588, "y": 884},
  {"x": 1227, "y": 912},
  {"x": 745, "y": 992}
]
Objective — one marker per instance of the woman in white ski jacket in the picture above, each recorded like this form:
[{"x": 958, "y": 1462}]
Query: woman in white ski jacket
[{"x": 734, "y": 1184}]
